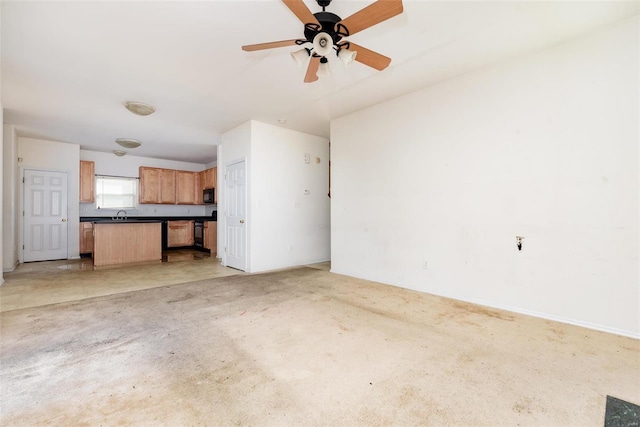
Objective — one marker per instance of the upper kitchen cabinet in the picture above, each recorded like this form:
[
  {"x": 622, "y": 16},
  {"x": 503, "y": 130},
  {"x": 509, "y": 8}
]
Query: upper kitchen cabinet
[
  {"x": 87, "y": 181},
  {"x": 157, "y": 185},
  {"x": 188, "y": 188},
  {"x": 208, "y": 177}
]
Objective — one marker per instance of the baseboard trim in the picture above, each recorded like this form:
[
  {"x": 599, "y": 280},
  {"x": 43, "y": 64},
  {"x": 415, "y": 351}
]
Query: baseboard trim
[
  {"x": 518, "y": 310},
  {"x": 588, "y": 325}
]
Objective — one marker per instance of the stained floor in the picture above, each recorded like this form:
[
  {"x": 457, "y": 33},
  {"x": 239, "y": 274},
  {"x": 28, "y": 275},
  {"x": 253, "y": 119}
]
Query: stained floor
[{"x": 189, "y": 342}]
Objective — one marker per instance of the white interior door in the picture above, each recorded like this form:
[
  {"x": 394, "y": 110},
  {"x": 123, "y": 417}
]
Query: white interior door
[
  {"x": 45, "y": 215},
  {"x": 236, "y": 216}
]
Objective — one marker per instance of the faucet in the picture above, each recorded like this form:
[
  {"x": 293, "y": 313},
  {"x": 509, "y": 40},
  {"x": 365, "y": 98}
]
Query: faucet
[{"x": 123, "y": 217}]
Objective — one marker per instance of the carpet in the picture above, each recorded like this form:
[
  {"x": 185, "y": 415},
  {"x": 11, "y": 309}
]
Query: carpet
[{"x": 301, "y": 347}]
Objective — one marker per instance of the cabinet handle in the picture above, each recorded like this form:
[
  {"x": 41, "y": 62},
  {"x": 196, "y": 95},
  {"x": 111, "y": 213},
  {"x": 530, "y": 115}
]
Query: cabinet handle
[
  {"x": 242, "y": 221},
  {"x": 64, "y": 219}
]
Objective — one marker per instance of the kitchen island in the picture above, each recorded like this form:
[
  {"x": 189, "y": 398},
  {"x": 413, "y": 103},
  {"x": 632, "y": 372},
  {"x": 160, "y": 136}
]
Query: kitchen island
[{"x": 126, "y": 241}]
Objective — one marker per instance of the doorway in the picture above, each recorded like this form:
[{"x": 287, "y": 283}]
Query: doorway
[
  {"x": 236, "y": 215},
  {"x": 45, "y": 215}
]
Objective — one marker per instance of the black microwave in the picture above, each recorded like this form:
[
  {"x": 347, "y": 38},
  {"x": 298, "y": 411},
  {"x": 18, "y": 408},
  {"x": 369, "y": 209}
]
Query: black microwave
[{"x": 208, "y": 196}]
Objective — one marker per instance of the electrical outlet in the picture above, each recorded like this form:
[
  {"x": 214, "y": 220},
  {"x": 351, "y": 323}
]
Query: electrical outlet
[{"x": 424, "y": 264}]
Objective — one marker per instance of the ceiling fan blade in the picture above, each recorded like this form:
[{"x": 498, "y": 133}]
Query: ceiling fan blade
[
  {"x": 301, "y": 11},
  {"x": 270, "y": 45},
  {"x": 369, "y": 57},
  {"x": 312, "y": 70},
  {"x": 371, "y": 15}
]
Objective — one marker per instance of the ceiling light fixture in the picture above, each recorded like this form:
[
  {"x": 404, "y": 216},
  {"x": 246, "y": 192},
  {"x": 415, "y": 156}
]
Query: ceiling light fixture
[
  {"x": 139, "y": 108},
  {"x": 324, "y": 33},
  {"x": 128, "y": 142},
  {"x": 324, "y": 69},
  {"x": 301, "y": 57},
  {"x": 346, "y": 56},
  {"x": 119, "y": 153}
]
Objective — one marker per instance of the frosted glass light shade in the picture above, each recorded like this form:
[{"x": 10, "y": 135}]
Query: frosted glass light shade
[
  {"x": 347, "y": 56},
  {"x": 323, "y": 69},
  {"x": 322, "y": 44},
  {"x": 300, "y": 57}
]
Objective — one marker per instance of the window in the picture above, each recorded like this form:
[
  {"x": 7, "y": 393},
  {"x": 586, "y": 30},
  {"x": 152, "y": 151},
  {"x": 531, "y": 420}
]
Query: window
[{"x": 116, "y": 192}]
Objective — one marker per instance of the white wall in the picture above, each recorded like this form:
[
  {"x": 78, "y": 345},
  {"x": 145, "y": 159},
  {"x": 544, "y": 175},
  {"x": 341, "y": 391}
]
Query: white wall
[
  {"x": 284, "y": 226},
  {"x": 2, "y": 197},
  {"x": 110, "y": 164},
  {"x": 289, "y": 227},
  {"x": 543, "y": 146},
  {"x": 57, "y": 156},
  {"x": 235, "y": 145},
  {"x": 9, "y": 199}
]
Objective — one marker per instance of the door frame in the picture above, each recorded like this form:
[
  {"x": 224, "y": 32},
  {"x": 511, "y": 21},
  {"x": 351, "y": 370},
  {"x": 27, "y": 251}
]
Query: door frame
[
  {"x": 21, "y": 220},
  {"x": 247, "y": 226}
]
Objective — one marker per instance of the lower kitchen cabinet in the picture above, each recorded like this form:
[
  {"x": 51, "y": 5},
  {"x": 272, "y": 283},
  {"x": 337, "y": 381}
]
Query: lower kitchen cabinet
[
  {"x": 127, "y": 242},
  {"x": 211, "y": 237},
  {"x": 179, "y": 233},
  {"x": 86, "y": 237}
]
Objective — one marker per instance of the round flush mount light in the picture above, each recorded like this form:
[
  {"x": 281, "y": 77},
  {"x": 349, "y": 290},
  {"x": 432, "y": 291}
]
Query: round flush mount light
[
  {"x": 139, "y": 108},
  {"x": 119, "y": 153},
  {"x": 128, "y": 142}
]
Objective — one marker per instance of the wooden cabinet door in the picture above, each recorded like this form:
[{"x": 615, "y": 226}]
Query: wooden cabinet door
[
  {"x": 149, "y": 185},
  {"x": 198, "y": 195},
  {"x": 211, "y": 236},
  {"x": 87, "y": 181},
  {"x": 209, "y": 179},
  {"x": 167, "y": 186},
  {"x": 86, "y": 237},
  {"x": 186, "y": 187},
  {"x": 179, "y": 233}
]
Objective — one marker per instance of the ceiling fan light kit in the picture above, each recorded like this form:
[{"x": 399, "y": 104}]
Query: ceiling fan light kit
[
  {"x": 322, "y": 44},
  {"x": 346, "y": 56},
  {"x": 324, "y": 32},
  {"x": 301, "y": 57},
  {"x": 323, "y": 69}
]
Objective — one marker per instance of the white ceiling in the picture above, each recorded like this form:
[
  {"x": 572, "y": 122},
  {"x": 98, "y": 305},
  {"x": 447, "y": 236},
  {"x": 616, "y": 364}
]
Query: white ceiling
[{"x": 69, "y": 67}]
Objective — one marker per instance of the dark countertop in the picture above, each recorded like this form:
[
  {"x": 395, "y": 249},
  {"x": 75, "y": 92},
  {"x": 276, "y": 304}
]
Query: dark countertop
[
  {"x": 147, "y": 218},
  {"x": 125, "y": 221}
]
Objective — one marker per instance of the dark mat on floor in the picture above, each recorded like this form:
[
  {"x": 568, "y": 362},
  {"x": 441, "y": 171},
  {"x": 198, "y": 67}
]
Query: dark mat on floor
[{"x": 619, "y": 413}]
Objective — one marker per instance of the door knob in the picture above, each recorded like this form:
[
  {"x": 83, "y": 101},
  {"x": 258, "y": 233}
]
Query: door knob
[
  {"x": 64, "y": 219},
  {"x": 242, "y": 221}
]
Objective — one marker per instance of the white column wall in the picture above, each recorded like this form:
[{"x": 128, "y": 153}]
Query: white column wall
[
  {"x": 235, "y": 145},
  {"x": 543, "y": 146},
  {"x": 9, "y": 198},
  {"x": 289, "y": 198}
]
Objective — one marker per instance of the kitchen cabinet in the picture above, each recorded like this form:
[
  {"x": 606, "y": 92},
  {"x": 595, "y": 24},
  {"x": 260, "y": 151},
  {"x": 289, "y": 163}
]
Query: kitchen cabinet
[
  {"x": 179, "y": 233},
  {"x": 86, "y": 237},
  {"x": 188, "y": 188},
  {"x": 87, "y": 181},
  {"x": 157, "y": 185},
  {"x": 124, "y": 243},
  {"x": 211, "y": 237},
  {"x": 209, "y": 178}
]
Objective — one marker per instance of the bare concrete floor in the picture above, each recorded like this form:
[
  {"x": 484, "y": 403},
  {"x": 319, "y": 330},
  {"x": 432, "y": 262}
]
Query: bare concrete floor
[
  {"x": 50, "y": 282},
  {"x": 293, "y": 347}
]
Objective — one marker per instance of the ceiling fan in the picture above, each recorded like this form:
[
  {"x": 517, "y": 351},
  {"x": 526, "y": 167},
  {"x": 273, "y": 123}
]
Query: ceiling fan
[{"x": 324, "y": 33}]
